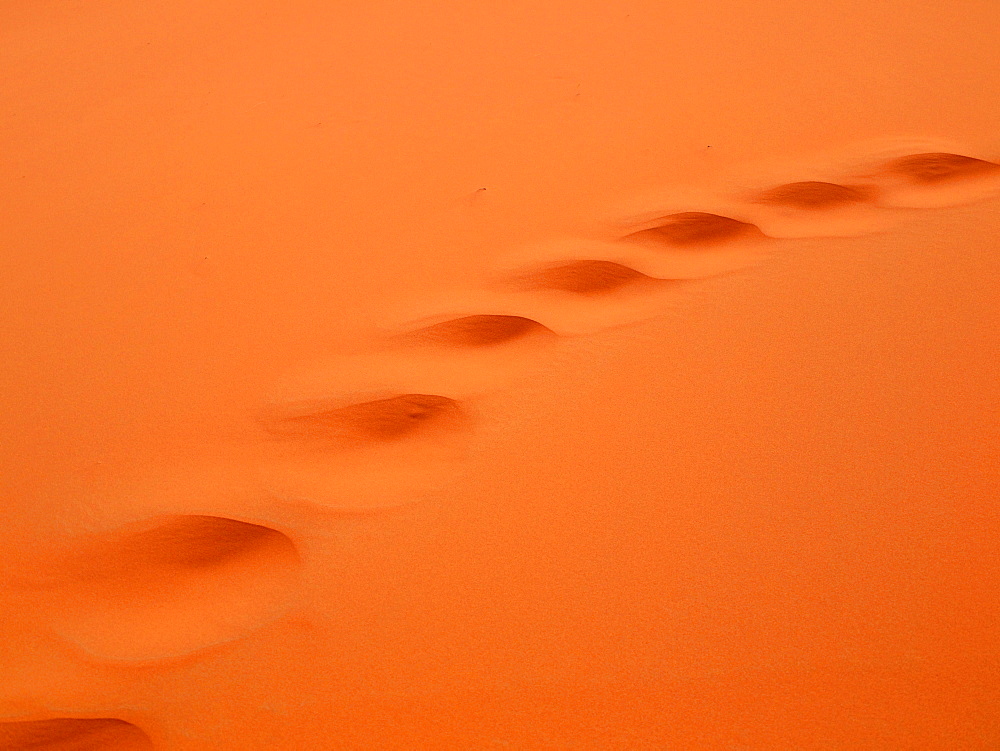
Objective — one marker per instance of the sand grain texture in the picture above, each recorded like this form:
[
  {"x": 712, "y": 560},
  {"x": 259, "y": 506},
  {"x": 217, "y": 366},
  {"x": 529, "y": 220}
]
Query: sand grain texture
[{"x": 539, "y": 376}]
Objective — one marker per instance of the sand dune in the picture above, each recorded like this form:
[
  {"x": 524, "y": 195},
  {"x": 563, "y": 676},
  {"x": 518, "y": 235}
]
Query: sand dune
[{"x": 540, "y": 376}]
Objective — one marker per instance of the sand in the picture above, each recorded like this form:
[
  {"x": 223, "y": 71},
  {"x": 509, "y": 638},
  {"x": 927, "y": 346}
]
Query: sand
[{"x": 435, "y": 375}]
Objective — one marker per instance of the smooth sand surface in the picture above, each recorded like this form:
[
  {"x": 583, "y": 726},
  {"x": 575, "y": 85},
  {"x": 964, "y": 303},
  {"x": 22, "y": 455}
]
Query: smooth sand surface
[{"x": 566, "y": 375}]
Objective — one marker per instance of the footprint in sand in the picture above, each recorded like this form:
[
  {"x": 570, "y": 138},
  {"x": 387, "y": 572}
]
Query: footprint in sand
[
  {"x": 604, "y": 287},
  {"x": 378, "y": 421},
  {"x": 817, "y": 208},
  {"x": 937, "y": 168},
  {"x": 364, "y": 432},
  {"x": 584, "y": 277},
  {"x": 72, "y": 734},
  {"x": 694, "y": 229},
  {"x": 166, "y": 587},
  {"x": 935, "y": 179},
  {"x": 816, "y": 195},
  {"x": 474, "y": 331}
]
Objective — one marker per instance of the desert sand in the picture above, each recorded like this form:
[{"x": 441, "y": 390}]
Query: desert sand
[{"x": 435, "y": 375}]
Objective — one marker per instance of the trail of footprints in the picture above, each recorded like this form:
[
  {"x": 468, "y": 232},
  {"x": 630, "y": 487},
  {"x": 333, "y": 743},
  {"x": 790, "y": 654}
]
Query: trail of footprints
[{"x": 174, "y": 585}]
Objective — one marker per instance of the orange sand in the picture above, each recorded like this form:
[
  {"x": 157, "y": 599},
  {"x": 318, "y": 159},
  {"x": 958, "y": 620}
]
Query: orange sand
[{"x": 434, "y": 375}]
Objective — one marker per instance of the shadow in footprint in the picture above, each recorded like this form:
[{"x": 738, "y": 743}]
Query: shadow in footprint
[
  {"x": 477, "y": 331},
  {"x": 582, "y": 296},
  {"x": 377, "y": 421},
  {"x": 935, "y": 168},
  {"x": 365, "y": 456},
  {"x": 935, "y": 179},
  {"x": 585, "y": 277},
  {"x": 71, "y": 734},
  {"x": 815, "y": 195},
  {"x": 816, "y": 208},
  {"x": 695, "y": 229},
  {"x": 171, "y": 586}
]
